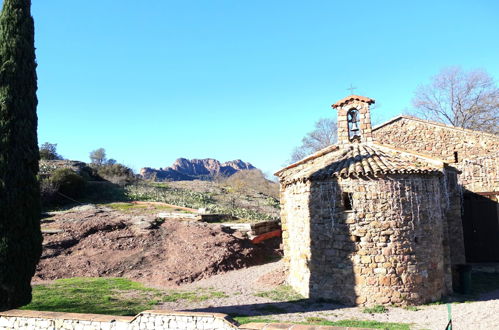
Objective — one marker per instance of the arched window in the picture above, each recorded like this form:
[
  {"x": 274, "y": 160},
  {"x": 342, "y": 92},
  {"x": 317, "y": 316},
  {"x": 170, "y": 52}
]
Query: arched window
[{"x": 353, "y": 124}]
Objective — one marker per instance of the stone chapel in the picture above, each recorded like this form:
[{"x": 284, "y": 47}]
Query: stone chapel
[{"x": 366, "y": 223}]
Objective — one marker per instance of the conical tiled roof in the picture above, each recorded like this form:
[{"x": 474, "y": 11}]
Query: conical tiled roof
[{"x": 358, "y": 160}]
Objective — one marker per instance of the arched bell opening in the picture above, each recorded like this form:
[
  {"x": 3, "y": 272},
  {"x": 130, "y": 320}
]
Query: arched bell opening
[{"x": 353, "y": 119}]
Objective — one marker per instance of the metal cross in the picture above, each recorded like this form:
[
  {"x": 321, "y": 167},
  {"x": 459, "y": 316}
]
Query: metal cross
[{"x": 351, "y": 89}]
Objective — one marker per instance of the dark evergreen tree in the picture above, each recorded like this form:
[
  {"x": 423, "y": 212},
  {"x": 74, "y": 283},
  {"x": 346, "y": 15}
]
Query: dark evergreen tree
[{"x": 20, "y": 236}]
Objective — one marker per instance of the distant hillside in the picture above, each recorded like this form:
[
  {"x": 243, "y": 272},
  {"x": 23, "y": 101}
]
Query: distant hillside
[{"x": 195, "y": 169}]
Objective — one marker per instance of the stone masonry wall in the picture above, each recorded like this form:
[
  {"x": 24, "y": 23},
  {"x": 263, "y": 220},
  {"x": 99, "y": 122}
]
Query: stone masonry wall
[
  {"x": 480, "y": 174},
  {"x": 148, "y": 320},
  {"x": 389, "y": 249},
  {"x": 477, "y": 153},
  {"x": 296, "y": 235}
]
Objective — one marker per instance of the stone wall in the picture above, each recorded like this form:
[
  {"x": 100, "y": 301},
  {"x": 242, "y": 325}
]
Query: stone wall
[
  {"x": 296, "y": 235},
  {"x": 480, "y": 174},
  {"x": 157, "y": 320},
  {"x": 476, "y": 152},
  {"x": 391, "y": 248}
]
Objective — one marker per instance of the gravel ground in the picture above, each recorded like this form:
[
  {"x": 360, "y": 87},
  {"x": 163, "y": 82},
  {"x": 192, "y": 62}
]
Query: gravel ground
[{"x": 241, "y": 285}]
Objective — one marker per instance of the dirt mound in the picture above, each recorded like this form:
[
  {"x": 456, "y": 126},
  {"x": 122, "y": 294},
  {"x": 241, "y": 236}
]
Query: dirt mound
[{"x": 91, "y": 241}]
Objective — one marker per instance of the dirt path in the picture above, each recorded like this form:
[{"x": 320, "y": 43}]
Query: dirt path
[{"x": 241, "y": 285}]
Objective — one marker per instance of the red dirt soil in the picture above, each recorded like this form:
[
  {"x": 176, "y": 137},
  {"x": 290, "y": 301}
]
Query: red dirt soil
[{"x": 103, "y": 242}]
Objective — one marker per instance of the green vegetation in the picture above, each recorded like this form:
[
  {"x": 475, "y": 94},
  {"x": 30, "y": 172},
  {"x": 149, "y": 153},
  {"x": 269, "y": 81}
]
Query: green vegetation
[
  {"x": 48, "y": 151},
  {"x": 116, "y": 173},
  {"x": 115, "y": 296},
  {"x": 198, "y": 295},
  {"x": 157, "y": 192},
  {"x": 20, "y": 235},
  {"x": 281, "y": 293},
  {"x": 67, "y": 182},
  {"x": 244, "y": 319},
  {"x": 412, "y": 308},
  {"x": 367, "y": 324},
  {"x": 103, "y": 192},
  {"x": 375, "y": 309},
  {"x": 130, "y": 207}
]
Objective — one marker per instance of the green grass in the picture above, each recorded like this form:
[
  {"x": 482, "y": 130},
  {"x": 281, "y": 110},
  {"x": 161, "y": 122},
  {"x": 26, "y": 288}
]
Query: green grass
[
  {"x": 375, "y": 309},
  {"x": 281, "y": 293},
  {"x": 412, "y": 308},
  {"x": 244, "y": 319},
  {"x": 199, "y": 295},
  {"x": 114, "y": 296}
]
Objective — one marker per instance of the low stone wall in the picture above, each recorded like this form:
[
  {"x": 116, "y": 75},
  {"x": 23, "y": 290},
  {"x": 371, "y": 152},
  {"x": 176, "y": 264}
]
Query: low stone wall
[
  {"x": 157, "y": 320},
  {"x": 147, "y": 320}
]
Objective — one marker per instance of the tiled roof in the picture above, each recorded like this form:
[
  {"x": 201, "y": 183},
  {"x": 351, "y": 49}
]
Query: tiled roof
[
  {"x": 358, "y": 160},
  {"x": 435, "y": 123},
  {"x": 351, "y": 98}
]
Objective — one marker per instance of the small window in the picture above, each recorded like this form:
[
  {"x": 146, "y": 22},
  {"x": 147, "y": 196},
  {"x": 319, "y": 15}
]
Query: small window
[
  {"x": 347, "y": 201},
  {"x": 456, "y": 157}
]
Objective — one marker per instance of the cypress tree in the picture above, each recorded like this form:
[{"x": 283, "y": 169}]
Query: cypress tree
[{"x": 20, "y": 236}]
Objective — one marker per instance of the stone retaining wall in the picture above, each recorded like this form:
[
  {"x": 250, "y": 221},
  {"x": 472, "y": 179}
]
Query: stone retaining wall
[{"x": 149, "y": 320}]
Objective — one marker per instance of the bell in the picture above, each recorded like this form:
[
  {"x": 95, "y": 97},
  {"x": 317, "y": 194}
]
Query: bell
[{"x": 355, "y": 126}]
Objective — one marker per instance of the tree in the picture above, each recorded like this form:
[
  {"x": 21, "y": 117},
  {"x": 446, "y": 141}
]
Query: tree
[
  {"x": 98, "y": 156},
  {"x": 462, "y": 99},
  {"x": 20, "y": 235},
  {"x": 323, "y": 135},
  {"x": 48, "y": 151}
]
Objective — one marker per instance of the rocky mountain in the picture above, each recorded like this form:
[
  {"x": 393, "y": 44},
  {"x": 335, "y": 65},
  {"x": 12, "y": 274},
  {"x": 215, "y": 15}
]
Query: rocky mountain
[{"x": 200, "y": 169}]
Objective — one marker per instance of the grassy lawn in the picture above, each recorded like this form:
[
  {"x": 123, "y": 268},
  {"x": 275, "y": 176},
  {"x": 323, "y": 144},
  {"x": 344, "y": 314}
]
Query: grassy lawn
[
  {"x": 114, "y": 296},
  {"x": 321, "y": 321}
]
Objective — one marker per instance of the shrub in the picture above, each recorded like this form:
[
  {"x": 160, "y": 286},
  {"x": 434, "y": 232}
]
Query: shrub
[
  {"x": 67, "y": 182},
  {"x": 252, "y": 180},
  {"x": 116, "y": 173}
]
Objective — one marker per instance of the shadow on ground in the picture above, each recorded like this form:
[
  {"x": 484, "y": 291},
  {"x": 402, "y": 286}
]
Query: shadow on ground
[{"x": 263, "y": 309}]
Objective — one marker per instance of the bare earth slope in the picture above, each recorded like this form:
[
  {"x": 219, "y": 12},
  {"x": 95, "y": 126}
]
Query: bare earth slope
[{"x": 92, "y": 241}]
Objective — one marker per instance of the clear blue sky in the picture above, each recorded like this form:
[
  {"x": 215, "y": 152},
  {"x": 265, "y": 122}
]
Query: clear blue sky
[{"x": 154, "y": 80}]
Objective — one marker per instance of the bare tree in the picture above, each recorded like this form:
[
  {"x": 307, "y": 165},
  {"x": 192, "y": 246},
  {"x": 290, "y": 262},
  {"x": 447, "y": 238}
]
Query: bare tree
[
  {"x": 324, "y": 134},
  {"x": 459, "y": 98},
  {"x": 98, "y": 156}
]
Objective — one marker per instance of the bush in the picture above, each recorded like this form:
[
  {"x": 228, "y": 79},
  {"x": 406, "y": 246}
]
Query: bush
[
  {"x": 116, "y": 173},
  {"x": 252, "y": 180},
  {"x": 67, "y": 182}
]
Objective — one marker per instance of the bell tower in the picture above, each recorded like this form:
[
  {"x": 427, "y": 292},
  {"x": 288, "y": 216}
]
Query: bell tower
[{"x": 354, "y": 119}]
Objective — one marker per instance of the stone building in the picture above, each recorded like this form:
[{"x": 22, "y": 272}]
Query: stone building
[
  {"x": 364, "y": 223},
  {"x": 476, "y": 155}
]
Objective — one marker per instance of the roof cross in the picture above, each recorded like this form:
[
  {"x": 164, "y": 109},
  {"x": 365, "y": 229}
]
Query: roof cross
[{"x": 351, "y": 89}]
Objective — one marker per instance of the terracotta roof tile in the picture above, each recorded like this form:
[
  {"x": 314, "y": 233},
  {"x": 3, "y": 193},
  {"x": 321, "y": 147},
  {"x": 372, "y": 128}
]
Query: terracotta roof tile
[
  {"x": 359, "y": 160},
  {"x": 351, "y": 98}
]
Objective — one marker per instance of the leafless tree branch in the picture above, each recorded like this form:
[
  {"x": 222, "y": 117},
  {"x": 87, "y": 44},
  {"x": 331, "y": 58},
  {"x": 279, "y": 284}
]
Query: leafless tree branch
[{"x": 459, "y": 98}]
